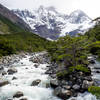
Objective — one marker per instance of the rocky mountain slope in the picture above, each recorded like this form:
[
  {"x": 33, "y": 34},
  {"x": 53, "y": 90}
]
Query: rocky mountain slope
[
  {"x": 49, "y": 23},
  {"x": 5, "y": 12}
]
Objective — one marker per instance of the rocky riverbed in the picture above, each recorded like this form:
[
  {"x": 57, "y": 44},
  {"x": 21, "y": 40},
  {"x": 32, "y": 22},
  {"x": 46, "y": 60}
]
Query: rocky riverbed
[
  {"x": 72, "y": 84},
  {"x": 31, "y": 76}
]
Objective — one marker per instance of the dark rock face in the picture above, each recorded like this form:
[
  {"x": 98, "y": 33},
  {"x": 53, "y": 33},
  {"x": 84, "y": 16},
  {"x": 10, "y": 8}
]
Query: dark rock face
[
  {"x": 43, "y": 31},
  {"x": 36, "y": 82},
  {"x": 18, "y": 95}
]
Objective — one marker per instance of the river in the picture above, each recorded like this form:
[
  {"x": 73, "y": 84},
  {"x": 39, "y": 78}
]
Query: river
[{"x": 27, "y": 73}]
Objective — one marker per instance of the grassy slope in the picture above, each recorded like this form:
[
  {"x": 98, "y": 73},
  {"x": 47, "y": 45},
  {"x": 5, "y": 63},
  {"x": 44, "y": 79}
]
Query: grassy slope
[{"x": 18, "y": 39}]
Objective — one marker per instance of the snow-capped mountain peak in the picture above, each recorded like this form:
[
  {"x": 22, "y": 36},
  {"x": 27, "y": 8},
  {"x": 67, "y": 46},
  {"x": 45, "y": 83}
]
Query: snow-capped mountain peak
[
  {"x": 78, "y": 16},
  {"x": 49, "y": 23}
]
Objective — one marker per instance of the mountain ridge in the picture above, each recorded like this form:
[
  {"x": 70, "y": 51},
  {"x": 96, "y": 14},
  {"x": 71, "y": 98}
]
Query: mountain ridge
[
  {"x": 49, "y": 23},
  {"x": 13, "y": 17}
]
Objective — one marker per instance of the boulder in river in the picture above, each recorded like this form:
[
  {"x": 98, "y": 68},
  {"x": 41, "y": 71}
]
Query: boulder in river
[
  {"x": 14, "y": 78},
  {"x": 12, "y": 71},
  {"x": 18, "y": 94},
  {"x": 36, "y": 82},
  {"x": 1, "y": 67},
  {"x": 62, "y": 93},
  {"x": 87, "y": 84},
  {"x": 36, "y": 65},
  {"x": 9, "y": 99},
  {"x": 4, "y": 72},
  {"x": 54, "y": 83},
  {"x": 36, "y": 60},
  {"x": 3, "y": 82},
  {"x": 23, "y": 99}
]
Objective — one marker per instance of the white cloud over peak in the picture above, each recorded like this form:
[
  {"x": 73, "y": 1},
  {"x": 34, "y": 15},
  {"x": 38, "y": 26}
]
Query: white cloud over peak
[{"x": 91, "y": 7}]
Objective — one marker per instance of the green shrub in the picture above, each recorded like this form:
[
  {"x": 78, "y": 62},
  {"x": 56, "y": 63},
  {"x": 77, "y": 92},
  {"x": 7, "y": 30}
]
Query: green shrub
[
  {"x": 94, "y": 90},
  {"x": 79, "y": 68},
  {"x": 62, "y": 74}
]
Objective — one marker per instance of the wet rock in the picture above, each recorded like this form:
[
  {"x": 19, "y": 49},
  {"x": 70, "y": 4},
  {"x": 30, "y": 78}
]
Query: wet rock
[
  {"x": 18, "y": 94},
  {"x": 3, "y": 82},
  {"x": 23, "y": 99},
  {"x": 4, "y": 72},
  {"x": 81, "y": 73},
  {"x": 10, "y": 99},
  {"x": 88, "y": 78},
  {"x": 36, "y": 82},
  {"x": 78, "y": 81},
  {"x": 76, "y": 87},
  {"x": 48, "y": 72},
  {"x": 54, "y": 83},
  {"x": 92, "y": 61},
  {"x": 66, "y": 93},
  {"x": 57, "y": 91},
  {"x": 36, "y": 65},
  {"x": 62, "y": 93},
  {"x": 47, "y": 85},
  {"x": 67, "y": 87},
  {"x": 87, "y": 84},
  {"x": 97, "y": 71},
  {"x": 64, "y": 82},
  {"x": 36, "y": 60},
  {"x": 14, "y": 78},
  {"x": 12, "y": 71},
  {"x": 1, "y": 68},
  {"x": 53, "y": 75}
]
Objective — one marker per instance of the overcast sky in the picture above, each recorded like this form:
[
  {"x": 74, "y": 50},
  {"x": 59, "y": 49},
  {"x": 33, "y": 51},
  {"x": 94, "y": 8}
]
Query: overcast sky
[{"x": 90, "y": 7}]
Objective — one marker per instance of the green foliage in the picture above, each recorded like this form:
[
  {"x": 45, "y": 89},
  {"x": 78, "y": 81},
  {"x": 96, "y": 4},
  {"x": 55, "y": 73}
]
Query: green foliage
[
  {"x": 62, "y": 74},
  {"x": 70, "y": 50},
  {"x": 94, "y": 90},
  {"x": 28, "y": 42},
  {"x": 95, "y": 48},
  {"x": 94, "y": 35},
  {"x": 79, "y": 68},
  {"x": 18, "y": 39}
]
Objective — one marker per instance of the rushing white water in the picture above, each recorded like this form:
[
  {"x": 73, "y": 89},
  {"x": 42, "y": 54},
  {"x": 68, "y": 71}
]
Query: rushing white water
[{"x": 26, "y": 74}]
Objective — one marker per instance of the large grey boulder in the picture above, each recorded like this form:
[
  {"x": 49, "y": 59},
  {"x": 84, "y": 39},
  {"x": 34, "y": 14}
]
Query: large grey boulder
[
  {"x": 3, "y": 82},
  {"x": 54, "y": 83},
  {"x": 62, "y": 93},
  {"x": 87, "y": 84},
  {"x": 12, "y": 71}
]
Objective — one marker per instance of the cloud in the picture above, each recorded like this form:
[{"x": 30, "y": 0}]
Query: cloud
[{"x": 91, "y": 7}]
